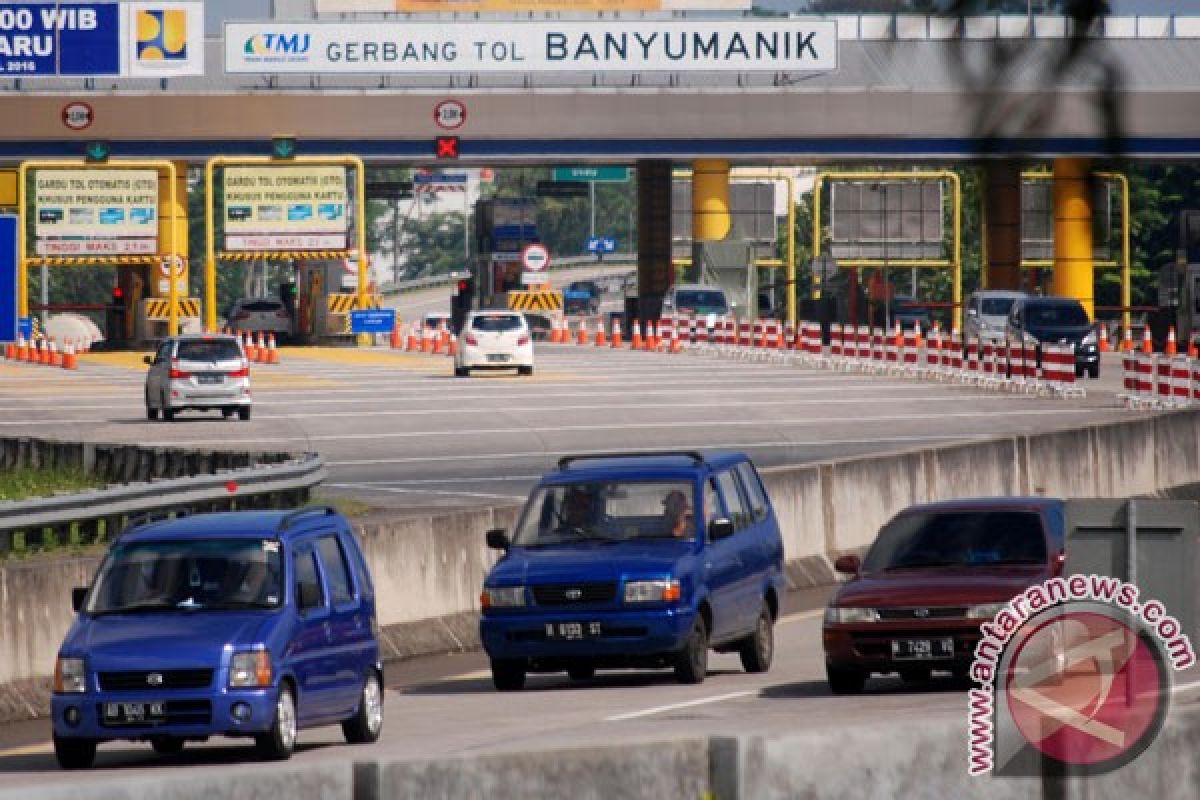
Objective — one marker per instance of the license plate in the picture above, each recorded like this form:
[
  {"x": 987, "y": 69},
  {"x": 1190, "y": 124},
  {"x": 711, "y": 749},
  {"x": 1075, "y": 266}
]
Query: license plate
[
  {"x": 572, "y": 630},
  {"x": 211, "y": 378},
  {"x": 922, "y": 649},
  {"x": 497, "y": 358},
  {"x": 133, "y": 713}
]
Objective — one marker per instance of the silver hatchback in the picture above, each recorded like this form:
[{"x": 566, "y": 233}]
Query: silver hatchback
[{"x": 200, "y": 371}]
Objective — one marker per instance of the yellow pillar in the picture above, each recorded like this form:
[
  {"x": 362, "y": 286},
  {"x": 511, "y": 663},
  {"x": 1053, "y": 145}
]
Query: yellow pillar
[
  {"x": 157, "y": 282},
  {"x": 710, "y": 200},
  {"x": 1073, "y": 264}
]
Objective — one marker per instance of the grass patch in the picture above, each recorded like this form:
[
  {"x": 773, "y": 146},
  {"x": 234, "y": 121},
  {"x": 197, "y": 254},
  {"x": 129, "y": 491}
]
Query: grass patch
[
  {"x": 24, "y": 483},
  {"x": 347, "y": 506}
]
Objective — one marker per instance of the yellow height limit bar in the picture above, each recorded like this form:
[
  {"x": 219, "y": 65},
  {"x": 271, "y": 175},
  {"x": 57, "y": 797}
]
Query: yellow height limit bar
[
  {"x": 955, "y": 262},
  {"x": 363, "y": 299},
  {"x": 164, "y": 168}
]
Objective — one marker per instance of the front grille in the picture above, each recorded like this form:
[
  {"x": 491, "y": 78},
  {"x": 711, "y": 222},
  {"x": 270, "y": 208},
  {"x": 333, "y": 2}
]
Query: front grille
[
  {"x": 573, "y": 594},
  {"x": 922, "y": 612},
  {"x": 139, "y": 680}
]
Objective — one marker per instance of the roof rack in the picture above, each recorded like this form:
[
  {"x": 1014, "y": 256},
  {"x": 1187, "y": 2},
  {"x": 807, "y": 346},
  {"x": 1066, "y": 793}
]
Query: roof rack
[
  {"x": 287, "y": 519},
  {"x": 159, "y": 515},
  {"x": 695, "y": 456}
]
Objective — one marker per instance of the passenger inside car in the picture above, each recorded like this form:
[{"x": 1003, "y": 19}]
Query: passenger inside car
[{"x": 678, "y": 514}]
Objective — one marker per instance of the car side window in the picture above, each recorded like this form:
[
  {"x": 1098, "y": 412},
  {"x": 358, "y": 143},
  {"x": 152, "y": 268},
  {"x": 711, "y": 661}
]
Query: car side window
[
  {"x": 306, "y": 572},
  {"x": 337, "y": 571},
  {"x": 755, "y": 493},
  {"x": 712, "y": 503},
  {"x": 738, "y": 514}
]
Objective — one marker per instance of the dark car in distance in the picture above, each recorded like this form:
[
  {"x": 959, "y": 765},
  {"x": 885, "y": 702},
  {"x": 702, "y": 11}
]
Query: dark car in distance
[
  {"x": 934, "y": 574},
  {"x": 1055, "y": 320}
]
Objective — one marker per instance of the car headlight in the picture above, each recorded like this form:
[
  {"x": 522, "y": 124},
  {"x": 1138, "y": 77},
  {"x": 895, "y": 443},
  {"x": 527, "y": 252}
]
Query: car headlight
[
  {"x": 250, "y": 670},
  {"x": 985, "y": 610},
  {"x": 1090, "y": 338},
  {"x": 503, "y": 597},
  {"x": 838, "y": 615},
  {"x": 653, "y": 591},
  {"x": 69, "y": 676}
]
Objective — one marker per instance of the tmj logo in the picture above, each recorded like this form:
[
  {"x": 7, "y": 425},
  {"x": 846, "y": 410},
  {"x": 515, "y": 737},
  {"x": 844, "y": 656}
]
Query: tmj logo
[{"x": 278, "y": 44}]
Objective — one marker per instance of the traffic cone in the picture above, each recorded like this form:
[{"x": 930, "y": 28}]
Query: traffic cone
[
  {"x": 55, "y": 356},
  {"x": 1127, "y": 341},
  {"x": 439, "y": 341},
  {"x": 601, "y": 336},
  {"x": 452, "y": 345},
  {"x": 444, "y": 337},
  {"x": 260, "y": 347},
  {"x": 43, "y": 353},
  {"x": 651, "y": 336},
  {"x": 397, "y": 338},
  {"x": 273, "y": 353},
  {"x": 637, "y": 343},
  {"x": 582, "y": 337},
  {"x": 1102, "y": 338},
  {"x": 410, "y": 340},
  {"x": 22, "y": 349},
  {"x": 68, "y": 359},
  {"x": 1192, "y": 351},
  {"x": 1147, "y": 342},
  {"x": 898, "y": 336},
  {"x": 248, "y": 346},
  {"x": 676, "y": 342},
  {"x": 616, "y": 332},
  {"x": 1171, "y": 347}
]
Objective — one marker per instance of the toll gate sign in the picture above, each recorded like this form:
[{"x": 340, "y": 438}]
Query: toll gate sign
[
  {"x": 95, "y": 212},
  {"x": 286, "y": 208}
]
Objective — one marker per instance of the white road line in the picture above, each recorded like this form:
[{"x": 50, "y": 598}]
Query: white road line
[
  {"x": 422, "y": 481},
  {"x": 800, "y": 616},
  {"x": 675, "y": 706},
  {"x": 398, "y": 490}
]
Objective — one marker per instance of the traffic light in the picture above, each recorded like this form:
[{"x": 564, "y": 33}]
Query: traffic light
[
  {"x": 463, "y": 300},
  {"x": 118, "y": 296},
  {"x": 115, "y": 317}
]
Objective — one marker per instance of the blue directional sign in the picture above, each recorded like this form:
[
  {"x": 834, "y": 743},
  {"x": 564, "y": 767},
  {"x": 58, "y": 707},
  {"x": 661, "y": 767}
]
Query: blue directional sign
[
  {"x": 602, "y": 244},
  {"x": 381, "y": 320},
  {"x": 60, "y": 38},
  {"x": 9, "y": 324}
]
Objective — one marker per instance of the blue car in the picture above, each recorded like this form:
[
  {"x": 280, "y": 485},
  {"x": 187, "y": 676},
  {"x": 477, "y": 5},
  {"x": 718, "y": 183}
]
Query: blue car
[
  {"x": 250, "y": 624},
  {"x": 641, "y": 560}
]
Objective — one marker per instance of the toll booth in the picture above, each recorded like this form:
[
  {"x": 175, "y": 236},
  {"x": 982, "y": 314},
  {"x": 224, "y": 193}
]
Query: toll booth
[{"x": 326, "y": 291}]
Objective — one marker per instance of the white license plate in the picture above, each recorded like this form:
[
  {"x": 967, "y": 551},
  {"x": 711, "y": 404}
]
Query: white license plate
[
  {"x": 923, "y": 649},
  {"x": 497, "y": 358},
  {"x": 572, "y": 630},
  {"x": 135, "y": 712},
  {"x": 210, "y": 379}
]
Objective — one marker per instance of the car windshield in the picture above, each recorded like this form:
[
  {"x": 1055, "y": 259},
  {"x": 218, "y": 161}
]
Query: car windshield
[
  {"x": 607, "y": 511},
  {"x": 996, "y": 306},
  {"x": 496, "y": 322},
  {"x": 1056, "y": 315},
  {"x": 435, "y": 322},
  {"x": 188, "y": 574},
  {"x": 701, "y": 300},
  {"x": 208, "y": 350},
  {"x": 958, "y": 538}
]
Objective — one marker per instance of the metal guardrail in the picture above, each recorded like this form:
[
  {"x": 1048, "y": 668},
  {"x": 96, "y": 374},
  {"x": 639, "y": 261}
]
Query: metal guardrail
[
  {"x": 89, "y": 517},
  {"x": 570, "y": 262}
]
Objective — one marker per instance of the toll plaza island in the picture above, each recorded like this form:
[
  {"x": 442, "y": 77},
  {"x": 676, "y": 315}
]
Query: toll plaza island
[{"x": 707, "y": 375}]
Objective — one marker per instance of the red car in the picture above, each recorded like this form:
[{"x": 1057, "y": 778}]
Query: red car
[{"x": 934, "y": 574}]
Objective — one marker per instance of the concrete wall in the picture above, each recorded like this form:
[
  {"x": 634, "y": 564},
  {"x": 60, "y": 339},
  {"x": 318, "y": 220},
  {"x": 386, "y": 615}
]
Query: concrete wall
[{"x": 428, "y": 570}]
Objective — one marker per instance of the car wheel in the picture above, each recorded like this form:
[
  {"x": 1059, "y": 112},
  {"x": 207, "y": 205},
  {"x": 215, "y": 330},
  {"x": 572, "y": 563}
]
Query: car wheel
[
  {"x": 151, "y": 413},
  {"x": 691, "y": 663},
  {"x": 74, "y": 753},
  {"x": 167, "y": 412},
  {"x": 244, "y": 413},
  {"x": 167, "y": 745},
  {"x": 914, "y": 676},
  {"x": 508, "y": 674},
  {"x": 278, "y": 743},
  {"x": 525, "y": 370},
  {"x": 228, "y": 412},
  {"x": 1079, "y": 371},
  {"x": 1094, "y": 371},
  {"x": 462, "y": 372},
  {"x": 581, "y": 672},
  {"x": 845, "y": 681},
  {"x": 758, "y": 649},
  {"x": 364, "y": 727}
]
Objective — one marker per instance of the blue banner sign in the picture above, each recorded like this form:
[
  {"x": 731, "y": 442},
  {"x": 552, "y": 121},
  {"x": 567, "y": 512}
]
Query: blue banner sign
[
  {"x": 602, "y": 244},
  {"x": 8, "y": 278},
  {"x": 60, "y": 39},
  {"x": 381, "y": 320}
]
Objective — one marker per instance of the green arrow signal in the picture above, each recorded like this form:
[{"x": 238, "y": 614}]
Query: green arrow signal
[
  {"x": 96, "y": 151},
  {"x": 283, "y": 147}
]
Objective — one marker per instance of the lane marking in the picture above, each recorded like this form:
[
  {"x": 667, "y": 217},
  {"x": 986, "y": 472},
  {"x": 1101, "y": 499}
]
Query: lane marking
[
  {"x": 41, "y": 748},
  {"x": 399, "y": 490},
  {"x": 799, "y": 616},
  {"x": 646, "y": 712}
]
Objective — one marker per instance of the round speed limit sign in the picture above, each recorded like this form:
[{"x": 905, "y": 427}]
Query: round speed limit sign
[
  {"x": 535, "y": 257},
  {"x": 172, "y": 265}
]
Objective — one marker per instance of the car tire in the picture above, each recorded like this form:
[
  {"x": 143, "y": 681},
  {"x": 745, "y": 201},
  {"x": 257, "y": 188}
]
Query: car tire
[
  {"x": 279, "y": 742},
  {"x": 367, "y": 723},
  {"x": 462, "y": 372},
  {"x": 244, "y": 413},
  {"x": 845, "y": 681},
  {"x": 73, "y": 753},
  {"x": 581, "y": 672},
  {"x": 691, "y": 663},
  {"x": 525, "y": 370},
  {"x": 508, "y": 674},
  {"x": 151, "y": 413},
  {"x": 167, "y": 745},
  {"x": 758, "y": 649},
  {"x": 168, "y": 414},
  {"x": 912, "y": 677},
  {"x": 228, "y": 412},
  {"x": 1093, "y": 371}
]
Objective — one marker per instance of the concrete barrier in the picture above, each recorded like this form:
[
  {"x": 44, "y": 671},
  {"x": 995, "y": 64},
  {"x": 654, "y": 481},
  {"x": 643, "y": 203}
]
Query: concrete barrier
[{"x": 428, "y": 570}]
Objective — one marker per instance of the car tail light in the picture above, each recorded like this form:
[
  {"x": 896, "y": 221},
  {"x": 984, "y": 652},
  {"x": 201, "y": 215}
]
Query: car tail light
[
  {"x": 244, "y": 372},
  {"x": 178, "y": 373},
  {"x": 471, "y": 340},
  {"x": 522, "y": 341}
]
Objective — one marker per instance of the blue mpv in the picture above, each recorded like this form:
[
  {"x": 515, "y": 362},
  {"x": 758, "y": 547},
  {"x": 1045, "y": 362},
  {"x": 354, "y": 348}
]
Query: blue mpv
[
  {"x": 641, "y": 560},
  {"x": 249, "y": 624}
]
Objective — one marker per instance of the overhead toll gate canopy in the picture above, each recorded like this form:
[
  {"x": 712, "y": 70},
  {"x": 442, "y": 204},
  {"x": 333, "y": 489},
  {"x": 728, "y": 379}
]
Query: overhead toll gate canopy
[{"x": 871, "y": 87}]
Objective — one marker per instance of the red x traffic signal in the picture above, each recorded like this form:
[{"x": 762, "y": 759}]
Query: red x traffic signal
[{"x": 446, "y": 146}]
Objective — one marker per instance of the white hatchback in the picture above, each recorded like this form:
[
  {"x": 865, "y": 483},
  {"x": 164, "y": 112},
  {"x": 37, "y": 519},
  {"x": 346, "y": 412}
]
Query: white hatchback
[{"x": 494, "y": 340}]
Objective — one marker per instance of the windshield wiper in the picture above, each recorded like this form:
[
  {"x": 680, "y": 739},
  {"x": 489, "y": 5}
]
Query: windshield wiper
[
  {"x": 922, "y": 564},
  {"x": 136, "y": 608},
  {"x": 229, "y": 605}
]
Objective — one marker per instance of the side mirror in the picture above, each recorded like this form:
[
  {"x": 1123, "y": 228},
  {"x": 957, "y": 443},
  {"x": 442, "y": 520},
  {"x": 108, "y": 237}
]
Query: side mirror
[
  {"x": 720, "y": 528},
  {"x": 78, "y": 595},
  {"x": 497, "y": 539},
  {"x": 848, "y": 565},
  {"x": 308, "y": 594},
  {"x": 147, "y": 359}
]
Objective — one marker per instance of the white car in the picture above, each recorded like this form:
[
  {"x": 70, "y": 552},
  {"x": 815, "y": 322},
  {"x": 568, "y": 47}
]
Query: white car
[
  {"x": 494, "y": 340},
  {"x": 200, "y": 372},
  {"x": 260, "y": 315}
]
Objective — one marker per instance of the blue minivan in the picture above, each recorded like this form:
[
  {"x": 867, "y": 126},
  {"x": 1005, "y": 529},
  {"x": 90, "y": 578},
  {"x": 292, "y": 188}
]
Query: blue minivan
[
  {"x": 640, "y": 560},
  {"x": 252, "y": 624}
]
